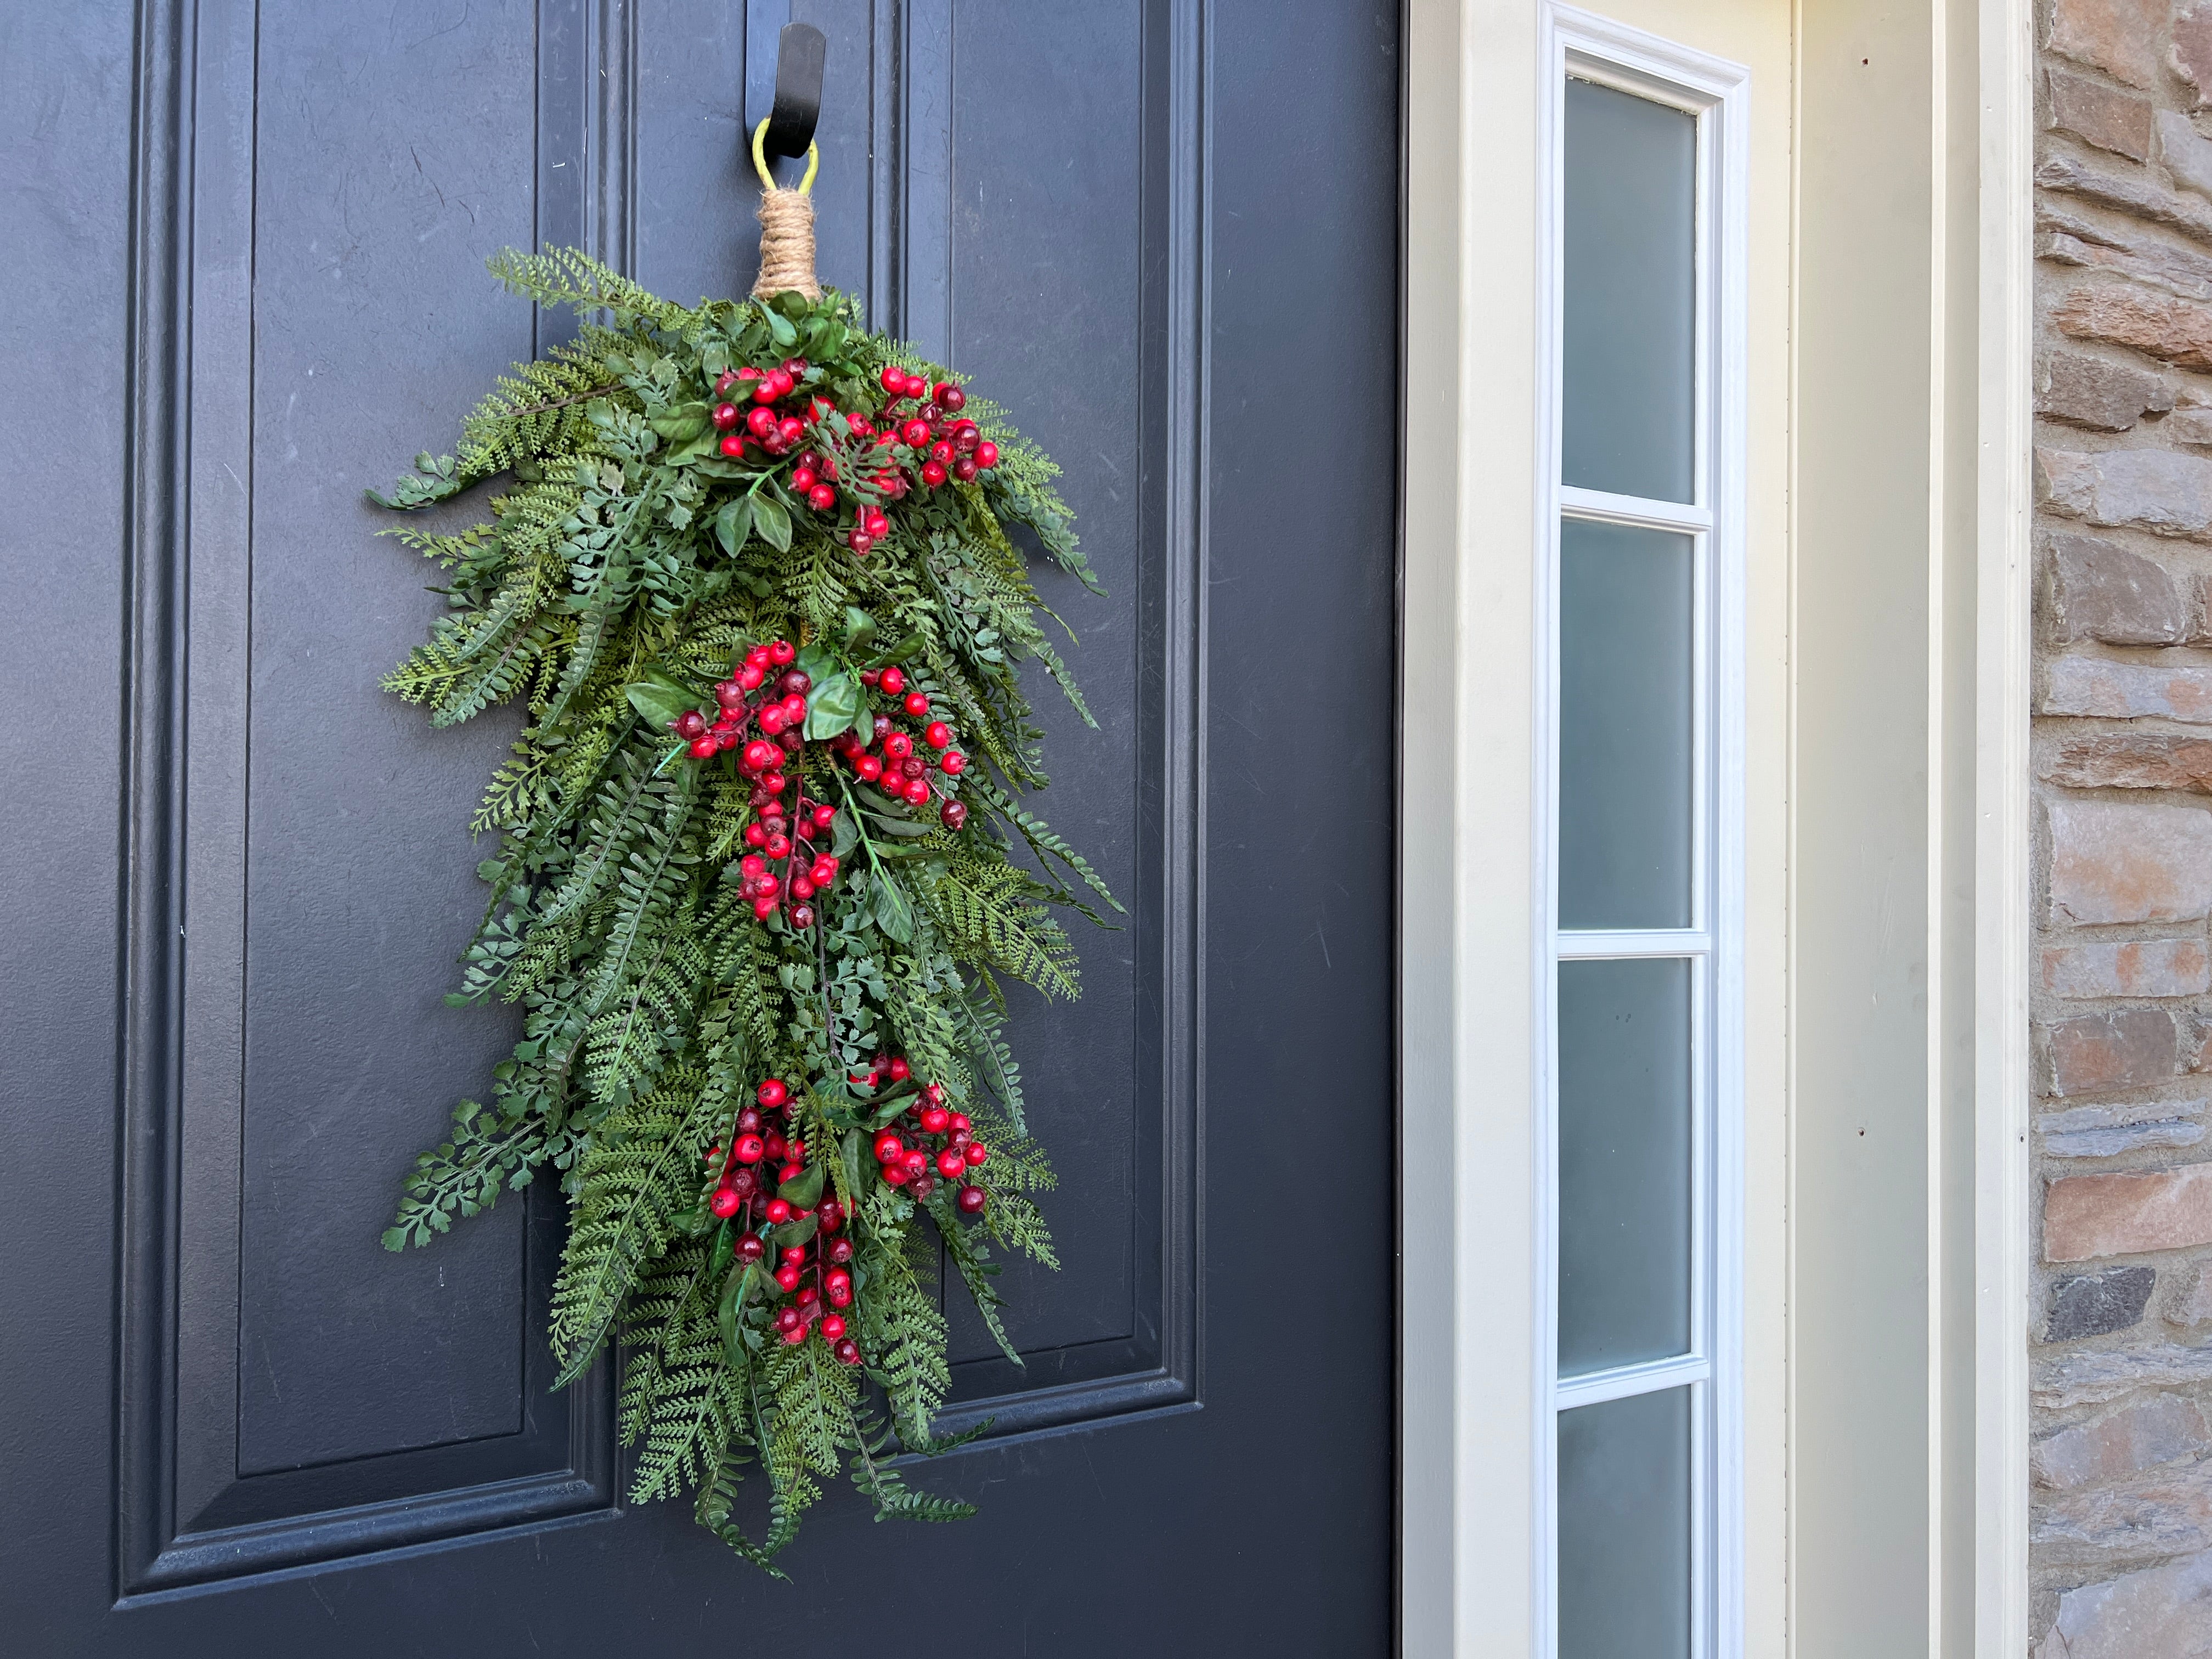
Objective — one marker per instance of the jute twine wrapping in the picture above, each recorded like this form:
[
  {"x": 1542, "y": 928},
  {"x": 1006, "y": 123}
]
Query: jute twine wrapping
[{"x": 787, "y": 261}]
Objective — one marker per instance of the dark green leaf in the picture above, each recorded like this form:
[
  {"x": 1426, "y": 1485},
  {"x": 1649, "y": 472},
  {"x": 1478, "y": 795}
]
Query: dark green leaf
[
  {"x": 660, "y": 697},
  {"x": 834, "y": 704},
  {"x": 773, "y": 522},
  {"x": 792, "y": 1232},
  {"x": 844, "y": 835},
  {"x": 734, "y": 523},
  {"x": 860, "y": 627},
  {"x": 780, "y": 328},
  {"x": 801, "y": 1191},
  {"x": 893, "y": 914}
]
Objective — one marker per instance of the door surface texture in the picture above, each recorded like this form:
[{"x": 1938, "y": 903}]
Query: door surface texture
[{"x": 246, "y": 250}]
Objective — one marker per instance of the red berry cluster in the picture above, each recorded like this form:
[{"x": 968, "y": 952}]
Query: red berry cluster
[
  {"x": 769, "y": 696},
  {"x": 937, "y": 1145},
  {"x": 813, "y": 1279},
  {"x": 917, "y": 437},
  {"x": 897, "y": 764}
]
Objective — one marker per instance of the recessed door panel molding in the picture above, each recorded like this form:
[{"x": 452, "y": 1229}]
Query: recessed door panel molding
[{"x": 241, "y": 1450}]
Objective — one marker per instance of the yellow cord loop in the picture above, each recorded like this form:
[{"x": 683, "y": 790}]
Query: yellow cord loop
[{"x": 760, "y": 161}]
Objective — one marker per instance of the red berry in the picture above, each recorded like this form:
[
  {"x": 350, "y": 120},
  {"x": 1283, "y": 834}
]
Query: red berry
[
  {"x": 749, "y": 1149},
  {"x": 725, "y": 417},
  {"x": 959, "y": 1121},
  {"x": 954, "y": 815},
  {"x": 848, "y": 1353},
  {"x": 986, "y": 454},
  {"x": 724, "y": 1202},
  {"x": 780, "y": 652},
  {"x": 703, "y": 748},
  {"x": 949, "y": 1164},
  {"x": 791, "y": 428},
  {"x": 750, "y": 1248},
  {"x": 833, "y": 1327},
  {"x": 772, "y": 1093},
  {"x": 933, "y": 473},
  {"x": 941, "y": 451},
  {"x": 831, "y": 1214},
  {"x": 894, "y": 1174},
  {"x": 802, "y": 916},
  {"x": 777, "y": 847},
  {"x": 836, "y": 1279},
  {"x": 914, "y": 433},
  {"x": 965, "y": 469},
  {"x": 978, "y": 1153},
  {"x": 972, "y": 1200},
  {"x": 894, "y": 380},
  {"x": 938, "y": 735},
  {"x": 733, "y": 445},
  {"x": 933, "y": 1093},
  {"x": 893, "y": 680},
  {"x": 822, "y": 497},
  {"x": 879, "y": 526},
  {"x": 869, "y": 766},
  {"x": 779, "y": 1211},
  {"x": 787, "y": 1320},
  {"x": 888, "y": 1148},
  {"x": 839, "y": 1250},
  {"x": 914, "y": 1159},
  {"x": 934, "y": 1118},
  {"x": 951, "y": 398},
  {"x": 954, "y": 762},
  {"x": 802, "y": 479},
  {"x": 899, "y": 1069},
  {"x": 759, "y": 756},
  {"x": 773, "y": 719},
  {"x": 898, "y": 745},
  {"x": 860, "y": 540}
]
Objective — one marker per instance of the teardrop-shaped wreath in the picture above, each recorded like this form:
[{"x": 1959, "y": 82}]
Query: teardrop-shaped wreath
[{"x": 750, "y": 576}]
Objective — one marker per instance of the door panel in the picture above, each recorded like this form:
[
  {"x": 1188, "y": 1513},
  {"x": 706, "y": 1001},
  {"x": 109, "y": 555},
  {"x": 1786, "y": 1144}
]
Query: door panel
[{"x": 1125, "y": 219}]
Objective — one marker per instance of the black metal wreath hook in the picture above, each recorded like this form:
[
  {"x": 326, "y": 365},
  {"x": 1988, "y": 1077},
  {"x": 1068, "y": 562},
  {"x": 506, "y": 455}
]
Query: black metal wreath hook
[{"x": 800, "y": 51}]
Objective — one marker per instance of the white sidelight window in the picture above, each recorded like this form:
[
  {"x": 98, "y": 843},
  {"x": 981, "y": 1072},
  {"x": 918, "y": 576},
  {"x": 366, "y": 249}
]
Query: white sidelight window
[{"x": 1640, "y": 655}]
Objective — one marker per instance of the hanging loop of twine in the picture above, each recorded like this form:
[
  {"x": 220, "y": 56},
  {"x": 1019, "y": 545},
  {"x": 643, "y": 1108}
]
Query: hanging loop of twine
[{"x": 786, "y": 218}]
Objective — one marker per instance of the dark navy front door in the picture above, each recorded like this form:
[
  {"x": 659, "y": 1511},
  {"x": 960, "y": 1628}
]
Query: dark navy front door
[{"x": 245, "y": 251}]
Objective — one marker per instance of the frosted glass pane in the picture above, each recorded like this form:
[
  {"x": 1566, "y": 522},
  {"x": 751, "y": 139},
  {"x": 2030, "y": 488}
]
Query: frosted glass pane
[
  {"x": 1625, "y": 1528},
  {"x": 1631, "y": 293},
  {"x": 1624, "y": 1162},
  {"x": 1626, "y": 765}
]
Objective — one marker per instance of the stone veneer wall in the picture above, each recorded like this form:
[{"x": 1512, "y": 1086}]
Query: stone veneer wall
[{"x": 2122, "y": 1344}]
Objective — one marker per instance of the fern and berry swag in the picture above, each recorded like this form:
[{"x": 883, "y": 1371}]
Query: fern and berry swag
[{"x": 751, "y": 577}]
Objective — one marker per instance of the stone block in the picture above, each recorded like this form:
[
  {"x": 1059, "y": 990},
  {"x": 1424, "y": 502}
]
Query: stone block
[
  {"x": 2116, "y": 861},
  {"x": 2132, "y": 759},
  {"x": 2190, "y": 53},
  {"x": 2103, "y": 116},
  {"x": 2166, "y": 1133},
  {"x": 2133, "y": 192},
  {"x": 2163, "y": 1512},
  {"x": 2089, "y": 1215},
  {"x": 2120, "y": 37},
  {"x": 2161, "y": 1612},
  {"x": 2160, "y": 490},
  {"x": 2188, "y": 1304},
  {"x": 2100, "y": 590},
  {"x": 2064, "y": 238},
  {"x": 2124, "y": 1049},
  {"x": 2140, "y": 1437},
  {"x": 2093, "y": 393},
  {"x": 2095, "y": 1304},
  {"x": 2175, "y": 688},
  {"x": 2162, "y": 325},
  {"x": 2133, "y": 968},
  {"x": 2187, "y": 152},
  {"x": 2091, "y": 1377}
]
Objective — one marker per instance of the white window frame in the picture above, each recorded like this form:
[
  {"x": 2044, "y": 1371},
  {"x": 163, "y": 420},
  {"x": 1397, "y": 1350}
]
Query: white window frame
[{"x": 1577, "y": 43}]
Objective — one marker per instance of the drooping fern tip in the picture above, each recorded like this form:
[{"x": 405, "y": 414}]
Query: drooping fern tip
[{"x": 748, "y": 571}]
